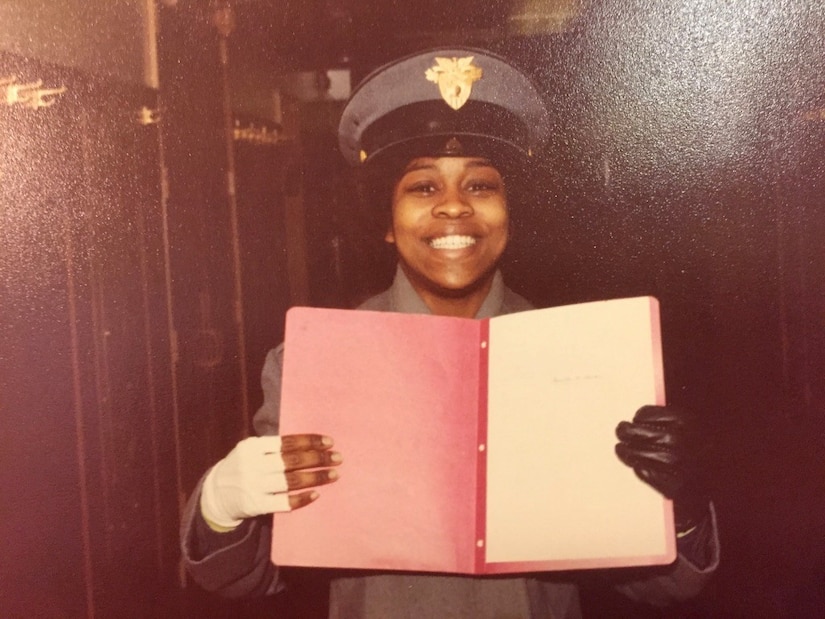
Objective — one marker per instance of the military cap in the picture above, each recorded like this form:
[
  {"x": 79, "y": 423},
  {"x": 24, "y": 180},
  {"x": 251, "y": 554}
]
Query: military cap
[{"x": 448, "y": 101}]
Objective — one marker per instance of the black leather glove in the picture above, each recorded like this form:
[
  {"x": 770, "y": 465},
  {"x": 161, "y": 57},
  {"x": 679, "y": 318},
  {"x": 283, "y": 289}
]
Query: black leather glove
[{"x": 662, "y": 448}]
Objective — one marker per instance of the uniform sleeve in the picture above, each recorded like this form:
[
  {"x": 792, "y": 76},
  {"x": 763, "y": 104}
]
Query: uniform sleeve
[
  {"x": 265, "y": 421},
  {"x": 237, "y": 563},
  {"x": 698, "y": 559}
]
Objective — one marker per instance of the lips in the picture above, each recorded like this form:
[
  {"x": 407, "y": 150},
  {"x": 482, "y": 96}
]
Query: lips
[{"x": 452, "y": 241}]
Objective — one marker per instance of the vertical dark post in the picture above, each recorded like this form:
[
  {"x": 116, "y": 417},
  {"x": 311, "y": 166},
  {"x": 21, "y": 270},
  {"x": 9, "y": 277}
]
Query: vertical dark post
[{"x": 224, "y": 21}]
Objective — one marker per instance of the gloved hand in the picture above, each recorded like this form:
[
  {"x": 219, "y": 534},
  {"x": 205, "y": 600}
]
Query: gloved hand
[
  {"x": 661, "y": 447},
  {"x": 257, "y": 475}
]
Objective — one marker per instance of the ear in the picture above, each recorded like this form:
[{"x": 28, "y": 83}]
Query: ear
[{"x": 389, "y": 237}]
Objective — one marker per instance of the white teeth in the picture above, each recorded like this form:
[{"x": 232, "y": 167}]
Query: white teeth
[{"x": 454, "y": 241}]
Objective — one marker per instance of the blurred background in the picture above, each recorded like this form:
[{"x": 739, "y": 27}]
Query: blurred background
[{"x": 170, "y": 184}]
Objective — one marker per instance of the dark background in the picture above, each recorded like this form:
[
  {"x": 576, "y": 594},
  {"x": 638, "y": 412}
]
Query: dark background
[{"x": 138, "y": 296}]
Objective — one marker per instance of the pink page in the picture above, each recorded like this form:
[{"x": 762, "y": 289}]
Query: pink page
[{"x": 399, "y": 394}]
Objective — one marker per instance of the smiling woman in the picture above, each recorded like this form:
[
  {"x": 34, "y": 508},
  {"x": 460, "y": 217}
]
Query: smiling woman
[
  {"x": 441, "y": 133},
  {"x": 439, "y": 136}
]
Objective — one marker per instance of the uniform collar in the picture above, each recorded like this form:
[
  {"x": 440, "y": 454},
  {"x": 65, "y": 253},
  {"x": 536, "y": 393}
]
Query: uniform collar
[{"x": 404, "y": 298}]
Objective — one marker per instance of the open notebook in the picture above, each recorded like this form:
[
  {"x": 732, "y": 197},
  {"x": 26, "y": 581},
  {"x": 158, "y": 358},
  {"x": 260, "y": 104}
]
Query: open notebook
[{"x": 475, "y": 446}]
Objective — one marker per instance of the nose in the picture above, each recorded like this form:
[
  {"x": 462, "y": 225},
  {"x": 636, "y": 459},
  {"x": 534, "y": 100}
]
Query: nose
[{"x": 453, "y": 204}]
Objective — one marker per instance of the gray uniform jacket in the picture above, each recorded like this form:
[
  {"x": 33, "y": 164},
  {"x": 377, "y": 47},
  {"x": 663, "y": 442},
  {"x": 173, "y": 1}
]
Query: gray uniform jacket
[{"x": 237, "y": 564}]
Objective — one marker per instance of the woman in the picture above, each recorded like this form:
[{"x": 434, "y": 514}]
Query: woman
[{"x": 444, "y": 133}]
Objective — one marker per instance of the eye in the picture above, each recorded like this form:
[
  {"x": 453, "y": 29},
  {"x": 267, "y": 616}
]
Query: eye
[
  {"x": 422, "y": 188},
  {"x": 483, "y": 186}
]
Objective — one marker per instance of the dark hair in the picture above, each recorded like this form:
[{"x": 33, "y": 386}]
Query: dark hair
[{"x": 375, "y": 185}]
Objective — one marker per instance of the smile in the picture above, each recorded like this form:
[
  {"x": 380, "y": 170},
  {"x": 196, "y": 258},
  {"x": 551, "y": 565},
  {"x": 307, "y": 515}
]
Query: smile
[{"x": 453, "y": 241}]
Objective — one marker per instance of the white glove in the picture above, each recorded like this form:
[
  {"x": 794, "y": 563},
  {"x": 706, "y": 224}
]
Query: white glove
[{"x": 249, "y": 481}]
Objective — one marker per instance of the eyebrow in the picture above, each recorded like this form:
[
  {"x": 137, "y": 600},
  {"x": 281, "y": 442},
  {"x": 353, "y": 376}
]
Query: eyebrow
[
  {"x": 413, "y": 167},
  {"x": 479, "y": 162}
]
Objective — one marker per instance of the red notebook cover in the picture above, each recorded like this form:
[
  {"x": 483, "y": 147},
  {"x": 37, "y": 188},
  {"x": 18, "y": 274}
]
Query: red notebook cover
[{"x": 410, "y": 401}]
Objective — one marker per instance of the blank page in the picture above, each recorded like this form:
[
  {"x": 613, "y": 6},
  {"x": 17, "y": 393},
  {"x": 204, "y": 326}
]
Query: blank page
[{"x": 560, "y": 380}]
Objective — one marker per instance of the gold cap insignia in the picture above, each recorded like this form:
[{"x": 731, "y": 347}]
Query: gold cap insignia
[{"x": 455, "y": 77}]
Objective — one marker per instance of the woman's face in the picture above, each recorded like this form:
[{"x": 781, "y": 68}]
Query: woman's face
[{"x": 449, "y": 224}]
